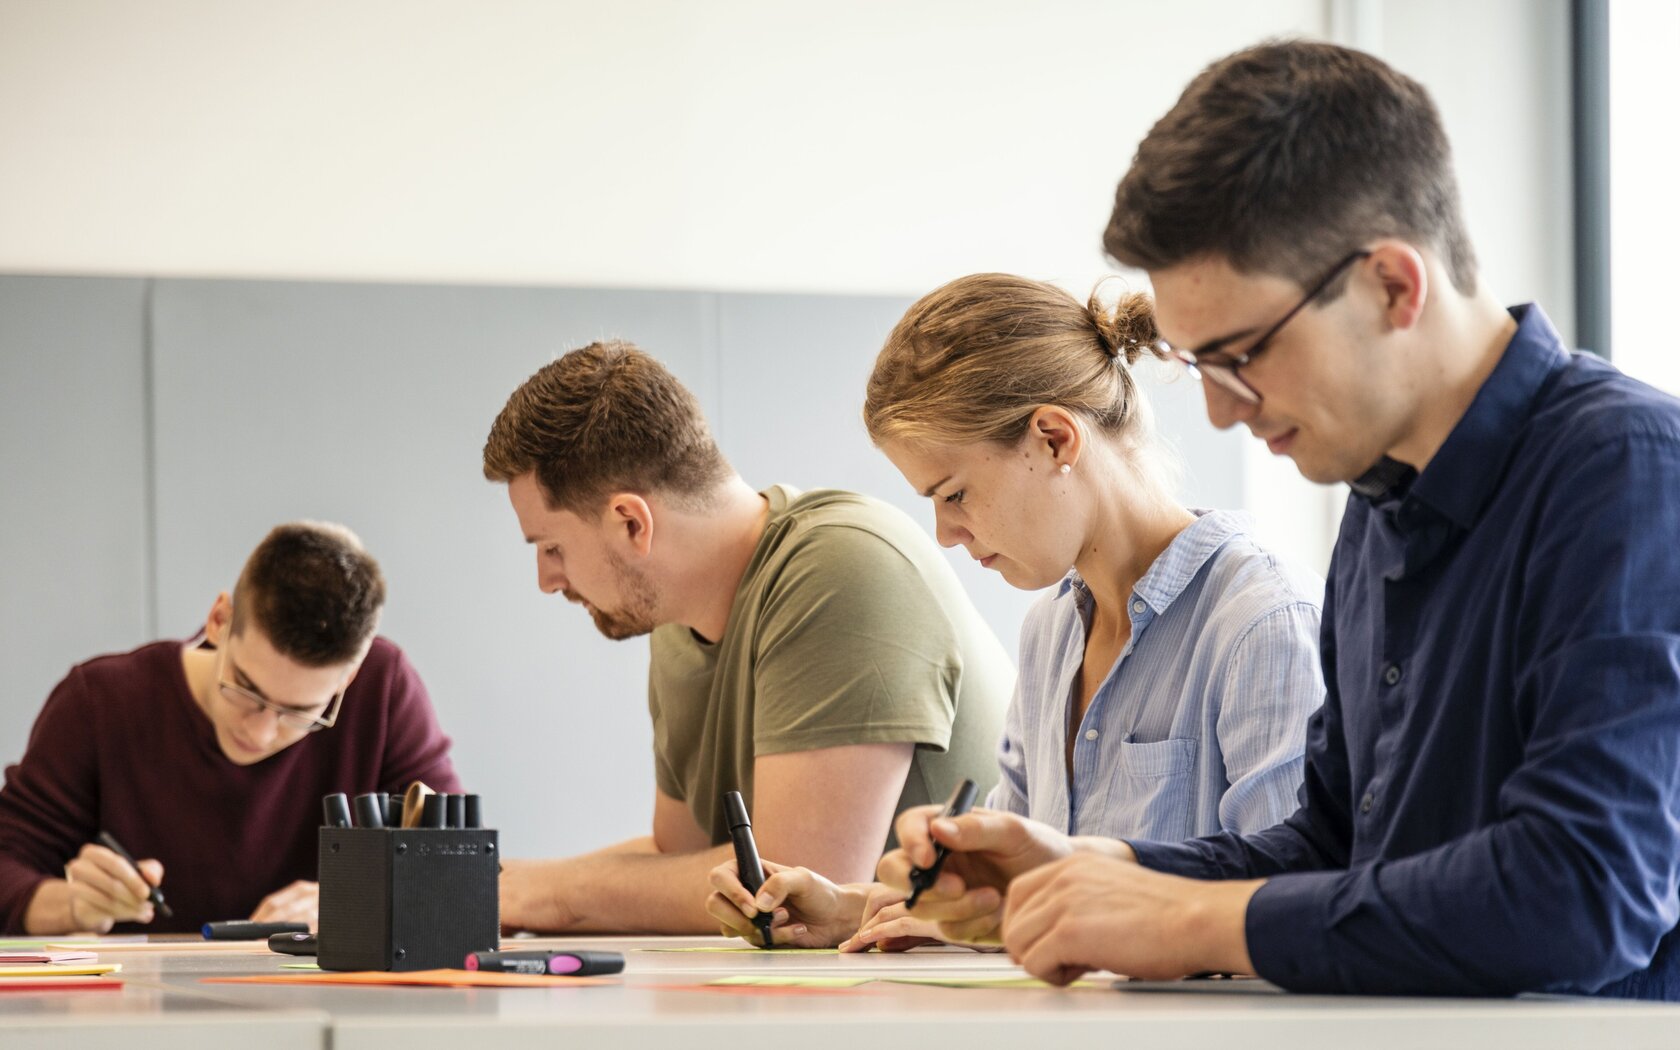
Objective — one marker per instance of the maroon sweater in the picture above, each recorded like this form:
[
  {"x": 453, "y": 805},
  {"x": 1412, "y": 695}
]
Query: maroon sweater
[{"x": 122, "y": 746}]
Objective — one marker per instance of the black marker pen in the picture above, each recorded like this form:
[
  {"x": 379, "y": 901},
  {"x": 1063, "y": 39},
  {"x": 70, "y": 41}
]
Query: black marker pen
[
  {"x": 567, "y": 964},
  {"x": 962, "y": 800},
  {"x": 247, "y": 930},
  {"x": 155, "y": 895},
  {"x": 746, "y": 857}
]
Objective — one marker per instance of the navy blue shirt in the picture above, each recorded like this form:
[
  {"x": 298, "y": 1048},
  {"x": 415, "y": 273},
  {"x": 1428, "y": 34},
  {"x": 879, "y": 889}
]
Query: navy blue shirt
[{"x": 1492, "y": 793}]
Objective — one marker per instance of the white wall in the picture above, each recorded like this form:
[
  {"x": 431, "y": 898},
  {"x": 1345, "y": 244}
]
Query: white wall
[{"x": 871, "y": 146}]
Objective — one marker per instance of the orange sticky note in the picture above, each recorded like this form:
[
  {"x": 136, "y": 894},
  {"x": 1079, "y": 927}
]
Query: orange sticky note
[{"x": 426, "y": 978}]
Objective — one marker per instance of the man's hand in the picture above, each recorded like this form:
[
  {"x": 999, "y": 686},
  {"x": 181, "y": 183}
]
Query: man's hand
[
  {"x": 888, "y": 925},
  {"x": 104, "y": 890},
  {"x": 987, "y": 849},
  {"x": 808, "y": 910},
  {"x": 299, "y": 902},
  {"x": 1093, "y": 912}
]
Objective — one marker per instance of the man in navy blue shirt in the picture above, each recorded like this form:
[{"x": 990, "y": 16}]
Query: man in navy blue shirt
[{"x": 1492, "y": 793}]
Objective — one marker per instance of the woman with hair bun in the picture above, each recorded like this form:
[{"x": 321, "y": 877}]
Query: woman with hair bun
[{"x": 1166, "y": 675}]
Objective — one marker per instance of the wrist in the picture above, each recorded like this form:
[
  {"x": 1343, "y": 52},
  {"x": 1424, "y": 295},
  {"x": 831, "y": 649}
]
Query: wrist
[
  {"x": 1105, "y": 847},
  {"x": 49, "y": 910},
  {"x": 1214, "y": 926},
  {"x": 853, "y": 899}
]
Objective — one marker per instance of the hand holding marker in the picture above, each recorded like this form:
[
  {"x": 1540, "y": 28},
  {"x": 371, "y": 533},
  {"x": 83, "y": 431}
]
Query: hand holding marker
[
  {"x": 156, "y": 895},
  {"x": 921, "y": 879}
]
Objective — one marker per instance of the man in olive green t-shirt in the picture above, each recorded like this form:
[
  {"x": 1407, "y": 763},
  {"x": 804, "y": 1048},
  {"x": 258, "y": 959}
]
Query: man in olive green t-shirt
[{"x": 811, "y": 650}]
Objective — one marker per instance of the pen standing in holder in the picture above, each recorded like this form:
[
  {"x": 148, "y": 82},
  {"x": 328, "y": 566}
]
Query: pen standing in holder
[{"x": 407, "y": 898}]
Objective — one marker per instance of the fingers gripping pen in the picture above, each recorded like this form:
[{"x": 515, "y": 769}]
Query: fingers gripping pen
[
  {"x": 746, "y": 857},
  {"x": 922, "y": 879}
]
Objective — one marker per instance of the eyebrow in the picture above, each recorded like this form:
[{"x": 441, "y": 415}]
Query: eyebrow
[
  {"x": 244, "y": 681},
  {"x": 1215, "y": 345},
  {"x": 930, "y": 489}
]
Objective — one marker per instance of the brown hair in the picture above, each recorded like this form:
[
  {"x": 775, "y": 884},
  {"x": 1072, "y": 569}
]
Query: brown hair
[
  {"x": 1283, "y": 158},
  {"x": 313, "y": 591},
  {"x": 971, "y": 361},
  {"x": 605, "y": 418}
]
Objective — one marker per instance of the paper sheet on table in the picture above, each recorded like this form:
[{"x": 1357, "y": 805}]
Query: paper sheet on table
[
  {"x": 428, "y": 978},
  {"x": 759, "y": 951},
  {"x": 39, "y": 984},
  {"x": 37, "y": 957},
  {"x": 167, "y": 946},
  {"x": 793, "y": 981},
  {"x": 8, "y": 973}
]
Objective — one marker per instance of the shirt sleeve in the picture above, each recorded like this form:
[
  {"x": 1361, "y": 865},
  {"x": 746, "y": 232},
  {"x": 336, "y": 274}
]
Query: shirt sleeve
[
  {"x": 1573, "y": 881},
  {"x": 49, "y": 805},
  {"x": 1272, "y": 685},
  {"x": 852, "y": 648},
  {"x": 415, "y": 745}
]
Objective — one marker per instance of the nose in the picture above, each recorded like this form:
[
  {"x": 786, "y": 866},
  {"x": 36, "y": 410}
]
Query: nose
[
  {"x": 550, "y": 579},
  {"x": 945, "y": 531},
  {"x": 262, "y": 726},
  {"x": 1225, "y": 409}
]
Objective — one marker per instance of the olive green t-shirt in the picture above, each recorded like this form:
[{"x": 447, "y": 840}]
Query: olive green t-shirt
[{"x": 849, "y": 627}]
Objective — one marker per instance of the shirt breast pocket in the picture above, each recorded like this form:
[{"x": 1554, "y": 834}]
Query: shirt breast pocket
[{"x": 1158, "y": 782}]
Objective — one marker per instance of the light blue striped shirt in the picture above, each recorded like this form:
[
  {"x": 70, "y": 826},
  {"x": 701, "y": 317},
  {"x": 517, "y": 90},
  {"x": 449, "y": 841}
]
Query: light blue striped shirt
[{"x": 1201, "y": 723}]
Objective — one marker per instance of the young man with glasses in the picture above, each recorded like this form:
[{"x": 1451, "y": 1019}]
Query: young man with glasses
[
  {"x": 1492, "y": 792},
  {"x": 209, "y": 759}
]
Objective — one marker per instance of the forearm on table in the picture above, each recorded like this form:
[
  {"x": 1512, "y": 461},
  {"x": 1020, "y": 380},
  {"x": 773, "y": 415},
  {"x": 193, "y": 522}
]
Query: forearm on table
[{"x": 617, "y": 890}]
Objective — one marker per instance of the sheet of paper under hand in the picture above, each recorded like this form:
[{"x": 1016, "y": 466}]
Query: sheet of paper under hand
[
  {"x": 760, "y": 951},
  {"x": 424, "y": 978},
  {"x": 794, "y": 981}
]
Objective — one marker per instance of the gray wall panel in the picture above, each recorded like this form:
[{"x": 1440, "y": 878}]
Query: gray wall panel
[
  {"x": 73, "y": 546},
  {"x": 369, "y": 404}
]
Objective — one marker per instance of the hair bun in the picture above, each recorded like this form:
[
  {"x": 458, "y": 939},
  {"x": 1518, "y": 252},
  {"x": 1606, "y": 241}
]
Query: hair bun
[{"x": 1127, "y": 329}]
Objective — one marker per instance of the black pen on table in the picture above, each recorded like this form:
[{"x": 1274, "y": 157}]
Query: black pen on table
[
  {"x": 156, "y": 895},
  {"x": 746, "y": 857},
  {"x": 921, "y": 879}
]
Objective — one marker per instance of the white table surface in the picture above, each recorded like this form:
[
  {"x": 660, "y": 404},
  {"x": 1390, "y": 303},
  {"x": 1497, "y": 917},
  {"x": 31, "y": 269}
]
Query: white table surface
[{"x": 661, "y": 1002}]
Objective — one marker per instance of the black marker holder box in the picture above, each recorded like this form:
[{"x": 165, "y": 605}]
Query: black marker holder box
[{"x": 407, "y": 898}]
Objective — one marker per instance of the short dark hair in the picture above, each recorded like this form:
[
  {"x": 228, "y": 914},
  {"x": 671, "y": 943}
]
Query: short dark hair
[
  {"x": 313, "y": 591},
  {"x": 605, "y": 418},
  {"x": 1284, "y": 157}
]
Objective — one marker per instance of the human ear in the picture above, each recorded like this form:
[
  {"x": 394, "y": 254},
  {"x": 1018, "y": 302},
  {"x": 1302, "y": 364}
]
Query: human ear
[
  {"x": 629, "y": 520},
  {"x": 1403, "y": 275},
  {"x": 1055, "y": 437},
  {"x": 220, "y": 620}
]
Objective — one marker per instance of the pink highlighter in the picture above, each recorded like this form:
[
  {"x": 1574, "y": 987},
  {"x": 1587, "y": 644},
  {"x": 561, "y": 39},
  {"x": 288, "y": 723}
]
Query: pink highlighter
[{"x": 558, "y": 964}]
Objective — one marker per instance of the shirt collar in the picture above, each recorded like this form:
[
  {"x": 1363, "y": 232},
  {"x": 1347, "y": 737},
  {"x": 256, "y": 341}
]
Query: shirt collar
[
  {"x": 1176, "y": 566},
  {"x": 1464, "y": 473}
]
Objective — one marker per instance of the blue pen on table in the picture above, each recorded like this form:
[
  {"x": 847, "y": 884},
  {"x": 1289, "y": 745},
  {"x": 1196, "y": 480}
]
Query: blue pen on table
[
  {"x": 922, "y": 879},
  {"x": 746, "y": 857},
  {"x": 156, "y": 895}
]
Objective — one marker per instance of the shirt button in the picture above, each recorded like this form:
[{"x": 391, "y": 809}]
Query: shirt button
[
  {"x": 1391, "y": 674},
  {"x": 1090, "y": 734},
  {"x": 1365, "y": 803},
  {"x": 1138, "y": 607}
]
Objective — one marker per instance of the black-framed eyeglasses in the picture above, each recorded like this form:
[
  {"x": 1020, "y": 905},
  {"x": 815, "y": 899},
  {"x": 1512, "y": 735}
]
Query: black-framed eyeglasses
[
  {"x": 1210, "y": 363},
  {"x": 296, "y": 719}
]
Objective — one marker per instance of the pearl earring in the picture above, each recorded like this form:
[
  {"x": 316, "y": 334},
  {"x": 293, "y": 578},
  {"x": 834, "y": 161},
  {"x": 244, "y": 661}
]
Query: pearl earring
[{"x": 1067, "y": 468}]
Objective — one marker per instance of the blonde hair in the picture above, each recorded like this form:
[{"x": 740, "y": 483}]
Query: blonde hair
[{"x": 972, "y": 360}]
